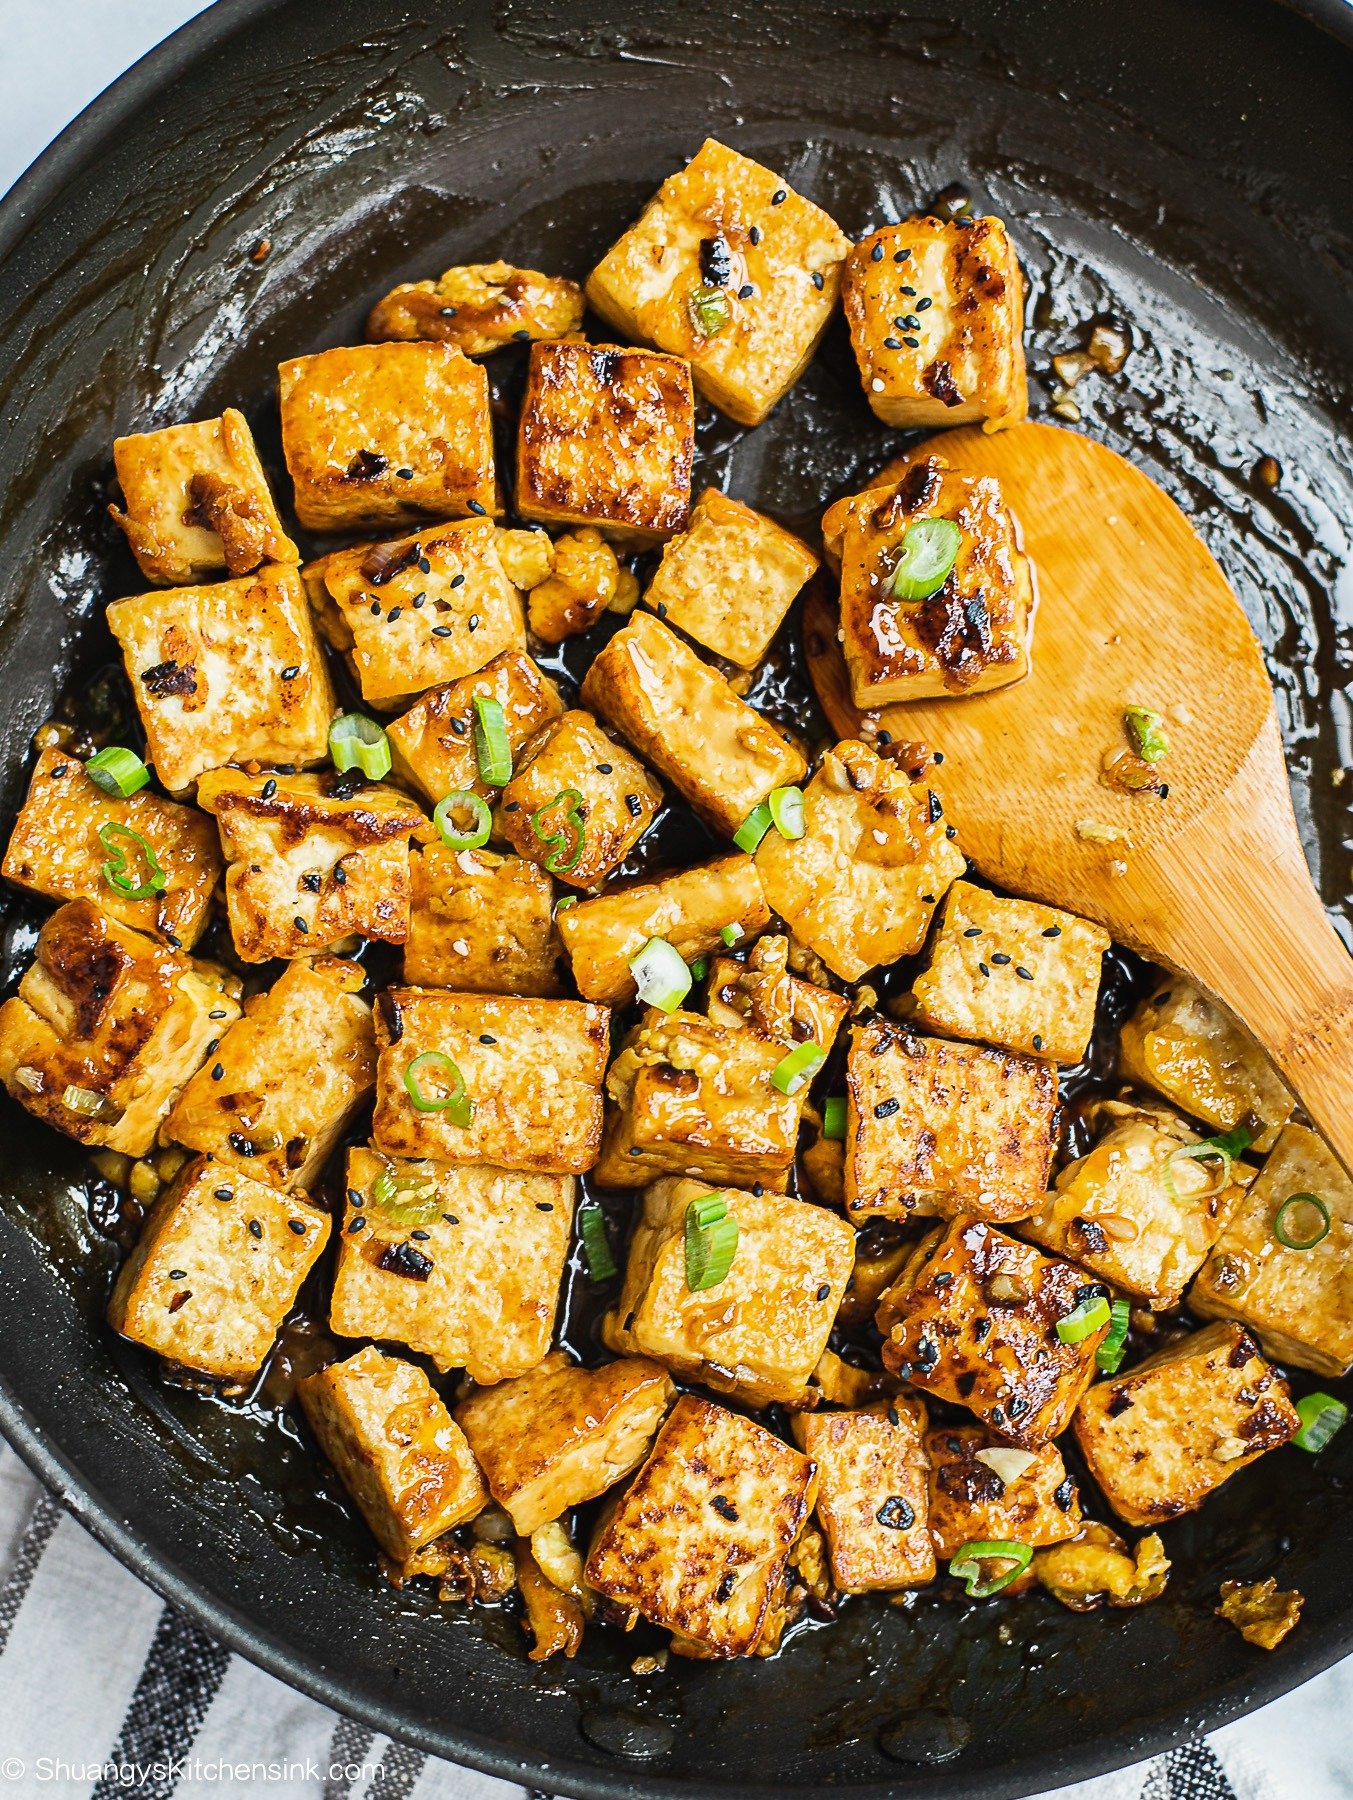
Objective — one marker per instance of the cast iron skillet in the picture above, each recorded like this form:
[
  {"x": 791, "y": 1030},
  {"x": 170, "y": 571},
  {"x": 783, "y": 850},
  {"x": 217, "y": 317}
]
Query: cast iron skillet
[{"x": 1181, "y": 163}]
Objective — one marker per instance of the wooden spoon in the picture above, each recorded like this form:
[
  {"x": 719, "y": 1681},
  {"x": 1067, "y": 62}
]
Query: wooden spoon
[{"x": 1209, "y": 881}]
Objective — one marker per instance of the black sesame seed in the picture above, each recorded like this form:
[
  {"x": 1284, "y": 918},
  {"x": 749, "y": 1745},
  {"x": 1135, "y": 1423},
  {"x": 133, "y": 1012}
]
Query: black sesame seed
[
  {"x": 217, "y": 1013},
  {"x": 404, "y": 474},
  {"x": 442, "y": 631},
  {"x": 474, "y": 621},
  {"x": 951, "y": 832},
  {"x": 224, "y": 1193},
  {"x": 910, "y": 292},
  {"x": 603, "y": 768},
  {"x": 1022, "y": 972},
  {"x": 894, "y": 1417},
  {"x": 340, "y": 876},
  {"x": 885, "y": 737},
  {"x": 354, "y": 1197},
  {"x": 892, "y": 343},
  {"x": 484, "y": 1038},
  {"x": 218, "y": 1073},
  {"x": 985, "y": 970},
  {"x": 358, "y": 1224},
  {"x": 544, "y": 1205},
  {"x": 178, "y": 1274},
  {"x": 746, "y": 291},
  {"x": 779, "y": 197},
  {"x": 268, "y": 789},
  {"x": 635, "y": 1150},
  {"x": 449, "y": 312},
  {"x": 291, "y": 671},
  {"x": 296, "y": 1225},
  {"x": 876, "y": 254},
  {"x": 754, "y": 235},
  {"x": 901, "y": 255},
  {"x": 981, "y": 1328},
  {"x": 417, "y": 601},
  {"x": 824, "y": 1290},
  {"x": 451, "y": 1218},
  {"x": 458, "y": 726},
  {"x": 910, "y": 323},
  {"x": 312, "y": 883},
  {"x": 240, "y": 1144},
  {"x": 375, "y": 609},
  {"x": 426, "y": 567},
  {"x": 1000, "y": 958},
  {"x": 757, "y": 1189},
  {"x": 1164, "y": 790},
  {"x": 394, "y": 613},
  {"x": 1018, "y": 1406},
  {"x": 912, "y": 343},
  {"x": 998, "y": 1415},
  {"x": 726, "y": 1585},
  {"x": 938, "y": 758},
  {"x": 1038, "y": 1040},
  {"x": 255, "y": 1229},
  {"x": 456, "y": 581},
  {"x": 1053, "y": 931},
  {"x": 886, "y": 1108},
  {"x": 300, "y": 924},
  {"x": 817, "y": 280},
  {"x": 215, "y": 1044},
  {"x": 475, "y": 508},
  {"x": 973, "y": 931},
  {"x": 921, "y": 305},
  {"x": 403, "y": 1259},
  {"x": 512, "y": 806},
  {"x": 943, "y": 1279},
  {"x": 59, "y": 772},
  {"x": 421, "y": 1235}
]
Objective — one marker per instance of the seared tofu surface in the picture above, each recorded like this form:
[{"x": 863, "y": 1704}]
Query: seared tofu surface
[
  {"x": 872, "y": 1495},
  {"x": 481, "y": 923},
  {"x": 985, "y": 1491},
  {"x": 477, "y": 308},
  {"x": 434, "y": 742}
]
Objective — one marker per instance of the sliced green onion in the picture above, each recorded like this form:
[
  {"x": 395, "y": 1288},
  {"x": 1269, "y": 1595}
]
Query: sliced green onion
[
  {"x": 711, "y": 1242},
  {"x": 117, "y": 771},
  {"x": 455, "y": 1103},
  {"x": 700, "y": 968},
  {"x": 834, "y": 1116},
  {"x": 967, "y": 1566},
  {"x": 1109, "y": 1356},
  {"x": 409, "y": 1198},
  {"x": 596, "y": 1244},
  {"x": 492, "y": 751},
  {"x": 1293, "y": 1224},
  {"x": 707, "y": 1210},
  {"x": 753, "y": 828},
  {"x": 1321, "y": 1416},
  {"x": 662, "y": 978},
  {"x": 115, "y": 869},
  {"x": 710, "y": 311},
  {"x": 730, "y": 934},
  {"x": 84, "y": 1101},
  {"x": 1145, "y": 734},
  {"x": 786, "y": 811},
  {"x": 929, "y": 550},
  {"x": 796, "y": 1070},
  {"x": 357, "y": 742},
  {"x": 1222, "y": 1149},
  {"x": 472, "y": 835},
  {"x": 1084, "y": 1320},
  {"x": 567, "y": 901},
  {"x": 561, "y": 859}
]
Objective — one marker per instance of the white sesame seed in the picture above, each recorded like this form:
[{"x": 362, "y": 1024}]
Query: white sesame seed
[{"x": 877, "y": 384}]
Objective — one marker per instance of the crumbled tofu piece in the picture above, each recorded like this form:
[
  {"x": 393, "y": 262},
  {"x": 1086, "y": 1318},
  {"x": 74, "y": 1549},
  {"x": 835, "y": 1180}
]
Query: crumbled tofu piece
[
  {"x": 526, "y": 555},
  {"x": 481, "y": 924},
  {"x": 55, "y": 850},
  {"x": 973, "y": 1319},
  {"x": 860, "y": 886},
  {"x": 1096, "y": 1565},
  {"x": 434, "y": 742},
  {"x": 759, "y": 1334},
  {"x": 218, "y": 1266},
  {"x": 560, "y": 1435},
  {"x": 730, "y": 267},
  {"x": 231, "y": 671},
  {"x": 729, "y": 579},
  {"x": 386, "y": 434},
  {"x": 478, "y": 307},
  {"x": 689, "y": 909},
  {"x": 106, "y": 1028},
  {"x": 698, "y": 1542},
  {"x": 936, "y": 315},
  {"x": 580, "y": 587},
  {"x": 532, "y": 1070},
  {"x": 476, "y": 1285},
  {"x": 1299, "y": 1303},
  {"x": 195, "y": 500},
  {"x": 277, "y": 1092},
  {"x": 1164, "y": 1435},
  {"x": 1261, "y": 1612},
  {"x": 983, "y": 1491},
  {"x": 607, "y": 438},
  {"x": 308, "y": 862},
  {"x": 555, "y": 1620},
  {"x": 573, "y": 771},
  {"x": 684, "y": 719},
  {"x": 872, "y": 1496},
  {"x": 761, "y": 994},
  {"x": 1185, "y": 1047}
]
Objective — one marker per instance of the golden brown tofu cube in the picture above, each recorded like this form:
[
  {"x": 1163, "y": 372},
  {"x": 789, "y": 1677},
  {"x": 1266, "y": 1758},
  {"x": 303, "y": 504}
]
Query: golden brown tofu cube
[
  {"x": 1298, "y": 1302},
  {"x": 478, "y": 307},
  {"x": 933, "y": 1127},
  {"x": 399, "y": 1452},
  {"x": 763, "y": 995},
  {"x": 278, "y": 1090},
  {"x": 684, "y": 719},
  {"x": 583, "y": 580},
  {"x": 607, "y": 438},
  {"x": 478, "y": 1288},
  {"x": 730, "y": 267},
  {"x": 871, "y": 1496},
  {"x": 532, "y": 1071},
  {"x": 729, "y": 579},
  {"x": 578, "y": 802},
  {"x": 860, "y": 886},
  {"x": 1012, "y": 973},
  {"x": 195, "y": 500},
  {"x": 689, "y": 909},
  {"x": 973, "y": 1317},
  {"x": 688, "y": 1097},
  {"x": 217, "y": 1268},
  {"x": 434, "y": 742},
  {"x": 55, "y": 850},
  {"x": 1188, "y": 1049},
  {"x": 760, "y": 1332},
  {"x": 309, "y": 861},
  {"x": 1163, "y": 1436},
  {"x": 106, "y": 1028},
  {"x": 936, "y": 315},
  {"x": 698, "y": 1542},
  {"x": 560, "y": 1435},
  {"x": 481, "y": 924},
  {"x": 386, "y": 434},
  {"x": 228, "y": 672},
  {"x": 983, "y": 1491}
]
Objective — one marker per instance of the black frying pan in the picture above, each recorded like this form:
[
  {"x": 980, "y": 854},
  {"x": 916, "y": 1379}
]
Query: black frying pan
[{"x": 1184, "y": 164}]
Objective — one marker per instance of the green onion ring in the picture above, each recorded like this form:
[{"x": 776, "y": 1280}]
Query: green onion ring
[
  {"x": 928, "y": 552},
  {"x": 115, "y": 869},
  {"x": 1084, "y": 1320},
  {"x": 456, "y": 1104},
  {"x": 753, "y": 828},
  {"x": 357, "y": 742},
  {"x": 117, "y": 771},
  {"x": 967, "y": 1566},
  {"x": 786, "y": 811},
  {"x": 461, "y": 800},
  {"x": 559, "y": 861},
  {"x": 1109, "y": 1356},
  {"x": 1294, "y": 1239},
  {"x": 493, "y": 752},
  {"x": 596, "y": 1244},
  {"x": 798, "y": 1068},
  {"x": 1321, "y": 1416}
]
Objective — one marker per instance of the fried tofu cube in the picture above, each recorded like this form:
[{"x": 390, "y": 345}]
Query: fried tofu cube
[
  {"x": 699, "y": 1541},
  {"x": 560, "y": 1435},
  {"x": 1186, "y": 1048},
  {"x": 285, "y": 1080},
  {"x": 481, "y": 924},
  {"x": 478, "y": 1288},
  {"x": 1012, "y": 973},
  {"x": 984, "y": 1491},
  {"x": 106, "y": 1028},
  {"x": 1163, "y": 1436},
  {"x": 399, "y": 1452},
  {"x": 583, "y": 580},
  {"x": 227, "y": 672},
  {"x": 477, "y": 308},
  {"x": 730, "y": 267},
  {"x": 1299, "y": 1303},
  {"x": 386, "y": 434},
  {"x": 764, "y": 996},
  {"x": 607, "y": 438},
  {"x": 434, "y": 742},
  {"x": 760, "y": 1333},
  {"x": 689, "y": 1097},
  {"x": 217, "y": 1268},
  {"x": 729, "y": 579},
  {"x": 532, "y": 1071},
  {"x": 195, "y": 500},
  {"x": 685, "y": 719},
  {"x": 973, "y": 1317},
  {"x": 688, "y": 908},
  {"x": 578, "y": 802},
  {"x": 936, "y": 315},
  {"x": 55, "y": 850},
  {"x": 872, "y": 1496},
  {"x": 933, "y": 1127},
  {"x": 309, "y": 861},
  {"x": 860, "y": 886}
]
